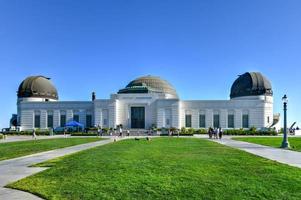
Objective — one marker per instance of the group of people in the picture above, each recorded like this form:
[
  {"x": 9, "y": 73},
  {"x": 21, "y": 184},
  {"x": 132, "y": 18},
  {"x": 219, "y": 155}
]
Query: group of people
[
  {"x": 216, "y": 133},
  {"x": 119, "y": 131}
]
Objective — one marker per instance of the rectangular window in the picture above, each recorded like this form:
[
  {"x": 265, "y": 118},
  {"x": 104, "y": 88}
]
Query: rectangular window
[
  {"x": 188, "y": 121},
  {"x": 88, "y": 121},
  {"x": 105, "y": 121},
  {"x": 268, "y": 120},
  {"x": 245, "y": 121},
  {"x": 216, "y": 121},
  {"x": 202, "y": 121},
  {"x": 50, "y": 121},
  {"x": 230, "y": 121},
  {"x": 167, "y": 122},
  {"x": 37, "y": 121},
  {"x": 76, "y": 118},
  {"x": 63, "y": 120}
]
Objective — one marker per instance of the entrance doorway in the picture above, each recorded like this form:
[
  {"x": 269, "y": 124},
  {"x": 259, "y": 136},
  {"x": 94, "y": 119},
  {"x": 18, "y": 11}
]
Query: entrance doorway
[{"x": 138, "y": 117}]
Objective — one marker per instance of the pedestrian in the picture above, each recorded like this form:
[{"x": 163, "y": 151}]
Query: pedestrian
[
  {"x": 34, "y": 136},
  {"x": 99, "y": 131},
  {"x": 65, "y": 132},
  {"x": 120, "y": 131},
  {"x": 220, "y": 135},
  {"x": 210, "y": 132},
  {"x": 128, "y": 132},
  {"x": 216, "y": 133}
]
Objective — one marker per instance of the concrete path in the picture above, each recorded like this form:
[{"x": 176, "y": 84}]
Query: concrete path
[
  {"x": 18, "y": 138},
  {"x": 17, "y": 168},
  {"x": 288, "y": 157}
]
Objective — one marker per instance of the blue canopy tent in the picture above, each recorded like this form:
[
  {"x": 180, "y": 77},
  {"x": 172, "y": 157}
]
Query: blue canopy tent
[{"x": 74, "y": 124}]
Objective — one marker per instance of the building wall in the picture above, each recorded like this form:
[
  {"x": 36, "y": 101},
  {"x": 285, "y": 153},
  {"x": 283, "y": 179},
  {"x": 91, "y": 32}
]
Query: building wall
[
  {"x": 258, "y": 110},
  {"x": 28, "y": 110},
  {"x": 160, "y": 112}
]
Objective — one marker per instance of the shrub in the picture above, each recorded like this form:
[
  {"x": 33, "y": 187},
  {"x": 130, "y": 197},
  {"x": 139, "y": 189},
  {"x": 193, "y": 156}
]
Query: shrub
[
  {"x": 249, "y": 132},
  {"x": 28, "y": 132},
  {"x": 83, "y": 134},
  {"x": 1, "y": 136},
  {"x": 201, "y": 131},
  {"x": 105, "y": 130},
  {"x": 187, "y": 131}
]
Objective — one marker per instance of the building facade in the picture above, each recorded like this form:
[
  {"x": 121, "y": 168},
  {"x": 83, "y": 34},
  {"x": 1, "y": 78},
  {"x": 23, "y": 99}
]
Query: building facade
[{"x": 147, "y": 102}]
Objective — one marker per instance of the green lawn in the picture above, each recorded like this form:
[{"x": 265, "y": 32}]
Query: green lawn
[
  {"x": 164, "y": 168},
  {"x": 295, "y": 143},
  {"x": 17, "y": 149}
]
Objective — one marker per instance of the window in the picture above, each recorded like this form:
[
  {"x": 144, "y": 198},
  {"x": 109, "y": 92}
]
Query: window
[
  {"x": 50, "y": 121},
  {"x": 245, "y": 121},
  {"x": 37, "y": 121},
  {"x": 76, "y": 118},
  {"x": 167, "y": 122},
  {"x": 188, "y": 121},
  {"x": 88, "y": 121},
  {"x": 216, "y": 121},
  {"x": 268, "y": 119},
  {"x": 230, "y": 121},
  {"x": 105, "y": 121},
  {"x": 63, "y": 120},
  {"x": 202, "y": 121}
]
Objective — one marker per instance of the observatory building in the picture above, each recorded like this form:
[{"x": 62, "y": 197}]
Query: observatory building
[{"x": 147, "y": 102}]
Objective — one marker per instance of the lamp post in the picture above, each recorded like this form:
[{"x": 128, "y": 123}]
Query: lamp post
[{"x": 285, "y": 143}]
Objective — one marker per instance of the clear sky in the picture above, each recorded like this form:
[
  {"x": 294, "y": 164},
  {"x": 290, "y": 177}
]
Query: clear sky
[{"x": 199, "y": 46}]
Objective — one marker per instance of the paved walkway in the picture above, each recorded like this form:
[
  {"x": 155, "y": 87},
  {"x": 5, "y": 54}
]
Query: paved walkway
[
  {"x": 288, "y": 157},
  {"x": 17, "y": 168},
  {"x": 18, "y": 138}
]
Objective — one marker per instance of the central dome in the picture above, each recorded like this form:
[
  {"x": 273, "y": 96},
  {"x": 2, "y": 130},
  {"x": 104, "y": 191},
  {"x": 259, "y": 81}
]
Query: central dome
[
  {"x": 38, "y": 87},
  {"x": 149, "y": 84}
]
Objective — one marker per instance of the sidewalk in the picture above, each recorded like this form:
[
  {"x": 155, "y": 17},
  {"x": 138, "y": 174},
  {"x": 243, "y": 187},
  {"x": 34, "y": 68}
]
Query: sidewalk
[
  {"x": 17, "y": 168},
  {"x": 19, "y": 138},
  {"x": 288, "y": 157}
]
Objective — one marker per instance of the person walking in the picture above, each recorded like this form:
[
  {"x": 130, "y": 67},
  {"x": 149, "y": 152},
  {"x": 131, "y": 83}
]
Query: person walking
[
  {"x": 99, "y": 131},
  {"x": 210, "y": 132},
  {"x": 120, "y": 131},
  {"x": 128, "y": 132},
  {"x": 65, "y": 132},
  {"x": 216, "y": 133},
  {"x": 220, "y": 135},
  {"x": 34, "y": 135}
]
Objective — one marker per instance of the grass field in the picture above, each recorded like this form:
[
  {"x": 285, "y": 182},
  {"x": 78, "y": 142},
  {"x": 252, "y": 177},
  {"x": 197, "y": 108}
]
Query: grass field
[
  {"x": 17, "y": 149},
  {"x": 164, "y": 168},
  {"x": 295, "y": 142}
]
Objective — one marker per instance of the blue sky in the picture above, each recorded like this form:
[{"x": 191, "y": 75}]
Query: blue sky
[{"x": 198, "y": 46}]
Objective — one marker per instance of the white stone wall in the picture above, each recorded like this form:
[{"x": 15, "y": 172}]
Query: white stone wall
[
  {"x": 27, "y": 112},
  {"x": 258, "y": 110},
  {"x": 158, "y": 111}
]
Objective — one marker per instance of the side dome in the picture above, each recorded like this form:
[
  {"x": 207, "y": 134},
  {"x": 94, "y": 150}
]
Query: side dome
[
  {"x": 149, "y": 84},
  {"x": 37, "y": 86},
  {"x": 251, "y": 84}
]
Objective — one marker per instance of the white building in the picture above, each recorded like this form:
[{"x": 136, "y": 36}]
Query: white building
[{"x": 145, "y": 102}]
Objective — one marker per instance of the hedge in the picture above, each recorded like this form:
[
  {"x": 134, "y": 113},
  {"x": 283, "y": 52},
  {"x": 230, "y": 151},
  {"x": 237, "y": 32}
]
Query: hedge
[
  {"x": 38, "y": 132},
  {"x": 251, "y": 131},
  {"x": 83, "y": 134}
]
